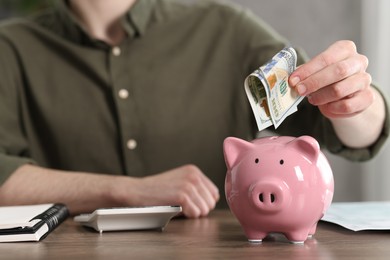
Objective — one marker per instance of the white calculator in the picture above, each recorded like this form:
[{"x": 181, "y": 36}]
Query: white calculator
[{"x": 129, "y": 218}]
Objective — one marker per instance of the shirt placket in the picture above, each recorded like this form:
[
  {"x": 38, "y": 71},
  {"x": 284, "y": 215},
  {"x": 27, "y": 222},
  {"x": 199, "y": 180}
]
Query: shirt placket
[{"x": 128, "y": 121}]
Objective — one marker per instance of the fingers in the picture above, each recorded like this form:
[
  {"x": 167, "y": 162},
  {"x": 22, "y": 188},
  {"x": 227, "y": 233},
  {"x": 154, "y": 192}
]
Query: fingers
[
  {"x": 338, "y": 62},
  {"x": 198, "y": 195},
  {"x": 210, "y": 186},
  {"x": 336, "y": 81},
  {"x": 349, "y": 106},
  {"x": 340, "y": 90},
  {"x": 332, "y": 74}
]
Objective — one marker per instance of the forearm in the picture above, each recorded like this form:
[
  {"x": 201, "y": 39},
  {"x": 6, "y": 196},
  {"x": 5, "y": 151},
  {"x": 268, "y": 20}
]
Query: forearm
[
  {"x": 363, "y": 129},
  {"x": 81, "y": 192},
  {"x": 186, "y": 186}
]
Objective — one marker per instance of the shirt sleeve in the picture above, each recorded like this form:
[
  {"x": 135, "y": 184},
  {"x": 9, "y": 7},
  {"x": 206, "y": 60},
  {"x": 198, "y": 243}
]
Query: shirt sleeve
[
  {"x": 257, "y": 40},
  {"x": 9, "y": 164},
  {"x": 13, "y": 144}
]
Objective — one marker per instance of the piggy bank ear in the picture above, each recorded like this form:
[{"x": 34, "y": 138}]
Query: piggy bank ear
[
  {"x": 232, "y": 148},
  {"x": 307, "y": 146}
]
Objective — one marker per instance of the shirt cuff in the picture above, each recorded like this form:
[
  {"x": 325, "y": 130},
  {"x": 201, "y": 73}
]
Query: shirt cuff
[{"x": 9, "y": 164}]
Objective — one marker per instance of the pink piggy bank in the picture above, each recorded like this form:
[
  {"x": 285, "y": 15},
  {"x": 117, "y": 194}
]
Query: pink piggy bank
[{"x": 277, "y": 185}]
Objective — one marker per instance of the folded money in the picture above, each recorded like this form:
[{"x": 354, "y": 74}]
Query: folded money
[{"x": 268, "y": 91}]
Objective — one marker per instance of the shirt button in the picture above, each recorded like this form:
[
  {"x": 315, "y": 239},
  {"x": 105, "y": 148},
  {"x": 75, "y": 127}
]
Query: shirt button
[
  {"x": 131, "y": 144},
  {"x": 116, "y": 51},
  {"x": 123, "y": 93}
]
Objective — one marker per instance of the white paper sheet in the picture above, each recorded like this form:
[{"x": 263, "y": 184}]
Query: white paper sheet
[
  {"x": 20, "y": 216},
  {"x": 358, "y": 216}
]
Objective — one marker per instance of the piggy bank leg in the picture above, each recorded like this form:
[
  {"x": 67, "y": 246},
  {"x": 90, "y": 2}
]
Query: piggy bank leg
[
  {"x": 312, "y": 230},
  {"x": 255, "y": 236},
  {"x": 297, "y": 237}
]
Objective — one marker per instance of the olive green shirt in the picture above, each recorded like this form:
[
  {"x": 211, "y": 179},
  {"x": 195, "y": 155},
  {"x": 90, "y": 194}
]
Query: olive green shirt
[{"x": 168, "y": 95}]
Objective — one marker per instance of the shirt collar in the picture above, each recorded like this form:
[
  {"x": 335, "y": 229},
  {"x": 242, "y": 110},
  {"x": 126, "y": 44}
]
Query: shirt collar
[
  {"x": 134, "y": 22},
  {"x": 139, "y": 16}
]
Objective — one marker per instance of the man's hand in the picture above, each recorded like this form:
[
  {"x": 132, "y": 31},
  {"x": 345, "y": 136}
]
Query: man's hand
[
  {"x": 186, "y": 186},
  {"x": 337, "y": 83}
]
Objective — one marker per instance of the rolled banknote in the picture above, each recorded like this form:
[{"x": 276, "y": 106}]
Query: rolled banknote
[{"x": 268, "y": 91}]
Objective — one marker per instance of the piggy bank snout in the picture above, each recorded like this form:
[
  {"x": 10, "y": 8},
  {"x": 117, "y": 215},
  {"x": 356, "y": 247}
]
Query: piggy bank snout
[{"x": 269, "y": 196}]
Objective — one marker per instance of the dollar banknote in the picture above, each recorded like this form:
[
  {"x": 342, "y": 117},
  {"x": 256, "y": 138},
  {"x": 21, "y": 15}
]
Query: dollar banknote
[{"x": 268, "y": 91}]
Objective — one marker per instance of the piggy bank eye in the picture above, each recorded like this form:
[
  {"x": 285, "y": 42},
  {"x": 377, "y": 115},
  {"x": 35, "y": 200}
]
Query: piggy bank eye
[
  {"x": 257, "y": 160},
  {"x": 281, "y": 162}
]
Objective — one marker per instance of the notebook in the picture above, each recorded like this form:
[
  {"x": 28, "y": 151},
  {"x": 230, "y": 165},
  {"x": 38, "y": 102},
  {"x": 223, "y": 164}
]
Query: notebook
[{"x": 30, "y": 222}]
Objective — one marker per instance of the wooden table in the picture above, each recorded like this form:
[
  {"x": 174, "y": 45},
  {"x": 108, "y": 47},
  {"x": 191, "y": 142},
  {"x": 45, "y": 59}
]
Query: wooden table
[{"x": 218, "y": 236}]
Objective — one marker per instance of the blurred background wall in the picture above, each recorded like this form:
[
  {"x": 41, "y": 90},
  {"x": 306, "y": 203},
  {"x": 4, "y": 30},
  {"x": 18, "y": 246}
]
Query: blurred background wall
[{"x": 314, "y": 25}]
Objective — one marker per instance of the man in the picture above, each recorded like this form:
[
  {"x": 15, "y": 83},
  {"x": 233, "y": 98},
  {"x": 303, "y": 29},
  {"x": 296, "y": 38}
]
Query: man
[{"x": 118, "y": 103}]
